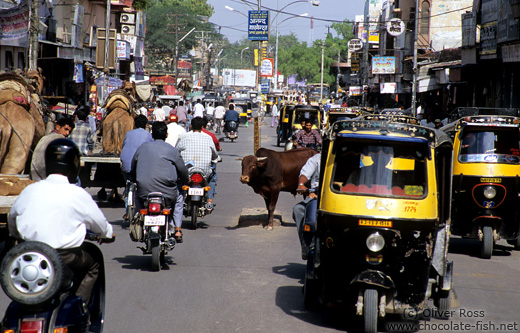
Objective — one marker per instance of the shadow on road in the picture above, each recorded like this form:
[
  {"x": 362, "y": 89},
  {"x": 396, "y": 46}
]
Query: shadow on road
[
  {"x": 472, "y": 247},
  {"x": 142, "y": 262}
]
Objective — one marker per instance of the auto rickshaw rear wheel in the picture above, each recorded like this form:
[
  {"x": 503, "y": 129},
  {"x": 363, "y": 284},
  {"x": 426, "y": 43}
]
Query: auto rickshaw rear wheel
[
  {"x": 370, "y": 313},
  {"x": 487, "y": 242}
]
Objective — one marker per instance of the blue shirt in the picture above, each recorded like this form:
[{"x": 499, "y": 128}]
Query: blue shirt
[
  {"x": 133, "y": 140},
  {"x": 231, "y": 115}
]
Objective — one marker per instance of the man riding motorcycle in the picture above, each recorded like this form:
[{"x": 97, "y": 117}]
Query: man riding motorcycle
[
  {"x": 231, "y": 115},
  {"x": 58, "y": 213}
]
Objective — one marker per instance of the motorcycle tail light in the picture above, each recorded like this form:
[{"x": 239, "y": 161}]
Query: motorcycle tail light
[
  {"x": 374, "y": 259},
  {"x": 166, "y": 211},
  {"x": 61, "y": 330},
  {"x": 154, "y": 207},
  {"x": 32, "y": 326},
  {"x": 196, "y": 178},
  {"x": 143, "y": 211},
  {"x": 207, "y": 188},
  {"x": 185, "y": 187},
  {"x": 8, "y": 331}
]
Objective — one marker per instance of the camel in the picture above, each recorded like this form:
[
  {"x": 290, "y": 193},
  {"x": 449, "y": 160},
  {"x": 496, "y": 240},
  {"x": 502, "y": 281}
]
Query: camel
[
  {"x": 21, "y": 122},
  {"x": 118, "y": 120}
]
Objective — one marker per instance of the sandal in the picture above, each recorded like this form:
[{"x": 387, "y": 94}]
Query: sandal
[{"x": 178, "y": 238}]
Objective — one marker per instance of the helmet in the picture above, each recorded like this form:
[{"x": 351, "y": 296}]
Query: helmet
[
  {"x": 62, "y": 156},
  {"x": 173, "y": 118}
]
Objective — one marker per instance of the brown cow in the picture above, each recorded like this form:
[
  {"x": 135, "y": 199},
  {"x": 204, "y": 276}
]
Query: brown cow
[{"x": 268, "y": 172}]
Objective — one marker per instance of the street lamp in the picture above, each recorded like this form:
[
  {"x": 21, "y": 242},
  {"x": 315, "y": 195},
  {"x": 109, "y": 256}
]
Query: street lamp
[
  {"x": 276, "y": 45},
  {"x": 241, "y": 52},
  {"x": 234, "y": 10}
]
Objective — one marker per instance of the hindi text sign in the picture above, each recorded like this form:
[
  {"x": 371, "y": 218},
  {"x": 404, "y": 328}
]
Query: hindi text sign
[{"x": 258, "y": 25}]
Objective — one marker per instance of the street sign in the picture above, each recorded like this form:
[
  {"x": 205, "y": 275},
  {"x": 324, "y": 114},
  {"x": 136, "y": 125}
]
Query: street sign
[
  {"x": 395, "y": 27},
  {"x": 267, "y": 67},
  {"x": 258, "y": 25},
  {"x": 265, "y": 84},
  {"x": 355, "y": 45}
]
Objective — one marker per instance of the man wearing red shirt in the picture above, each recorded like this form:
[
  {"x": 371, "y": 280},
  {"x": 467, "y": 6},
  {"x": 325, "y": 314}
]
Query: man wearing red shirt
[{"x": 213, "y": 137}]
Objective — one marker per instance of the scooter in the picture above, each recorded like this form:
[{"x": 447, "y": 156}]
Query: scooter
[
  {"x": 231, "y": 130},
  {"x": 41, "y": 287}
]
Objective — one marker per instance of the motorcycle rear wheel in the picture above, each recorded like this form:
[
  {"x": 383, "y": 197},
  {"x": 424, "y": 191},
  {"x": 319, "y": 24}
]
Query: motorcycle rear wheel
[
  {"x": 156, "y": 265},
  {"x": 194, "y": 215}
]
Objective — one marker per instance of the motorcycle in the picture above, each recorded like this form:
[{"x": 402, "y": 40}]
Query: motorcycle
[
  {"x": 151, "y": 227},
  {"x": 42, "y": 290},
  {"x": 231, "y": 130},
  {"x": 196, "y": 195},
  {"x": 382, "y": 227}
]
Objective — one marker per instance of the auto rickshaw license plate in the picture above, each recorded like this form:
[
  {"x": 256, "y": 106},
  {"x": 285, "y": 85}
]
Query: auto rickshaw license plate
[
  {"x": 154, "y": 220},
  {"x": 195, "y": 191},
  {"x": 375, "y": 223}
]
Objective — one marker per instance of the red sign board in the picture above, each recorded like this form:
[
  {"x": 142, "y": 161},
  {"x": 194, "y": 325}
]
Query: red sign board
[{"x": 165, "y": 80}]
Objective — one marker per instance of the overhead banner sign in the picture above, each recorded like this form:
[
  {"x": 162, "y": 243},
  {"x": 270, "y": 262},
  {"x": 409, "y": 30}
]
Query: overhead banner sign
[
  {"x": 383, "y": 65},
  {"x": 14, "y": 25},
  {"x": 258, "y": 25}
]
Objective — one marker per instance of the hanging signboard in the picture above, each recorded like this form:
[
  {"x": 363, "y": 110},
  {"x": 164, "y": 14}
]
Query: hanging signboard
[
  {"x": 387, "y": 88},
  {"x": 383, "y": 65},
  {"x": 395, "y": 27},
  {"x": 184, "y": 66},
  {"x": 267, "y": 67},
  {"x": 355, "y": 45},
  {"x": 258, "y": 25},
  {"x": 265, "y": 84}
]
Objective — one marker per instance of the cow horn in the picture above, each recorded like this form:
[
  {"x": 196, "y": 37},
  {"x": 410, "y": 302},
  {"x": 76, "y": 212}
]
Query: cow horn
[{"x": 261, "y": 158}]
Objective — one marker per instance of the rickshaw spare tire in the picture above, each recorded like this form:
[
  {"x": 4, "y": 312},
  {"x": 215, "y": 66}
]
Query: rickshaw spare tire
[
  {"x": 370, "y": 310},
  {"x": 487, "y": 242},
  {"x": 32, "y": 273}
]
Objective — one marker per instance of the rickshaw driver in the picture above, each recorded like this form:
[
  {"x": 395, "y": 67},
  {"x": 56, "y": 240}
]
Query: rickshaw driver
[
  {"x": 304, "y": 212},
  {"x": 307, "y": 135}
]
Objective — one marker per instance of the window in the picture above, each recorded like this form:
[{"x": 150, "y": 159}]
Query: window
[
  {"x": 370, "y": 168},
  {"x": 9, "y": 63},
  {"x": 425, "y": 18},
  {"x": 21, "y": 60},
  {"x": 490, "y": 145}
]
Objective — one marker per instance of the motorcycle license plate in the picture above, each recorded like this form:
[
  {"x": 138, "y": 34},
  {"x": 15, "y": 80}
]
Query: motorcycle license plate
[
  {"x": 195, "y": 191},
  {"x": 232, "y": 136},
  {"x": 155, "y": 220}
]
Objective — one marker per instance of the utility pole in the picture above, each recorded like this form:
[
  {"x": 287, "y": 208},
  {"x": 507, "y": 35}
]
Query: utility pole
[
  {"x": 176, "y": 28},
  {"x": 414, "y": 83},
  {"x": 202, "y": 67},
  {"x": 34, "y": 27},
  {"x": 322, "y": 60},
  {"x": 107, "y": 48}
]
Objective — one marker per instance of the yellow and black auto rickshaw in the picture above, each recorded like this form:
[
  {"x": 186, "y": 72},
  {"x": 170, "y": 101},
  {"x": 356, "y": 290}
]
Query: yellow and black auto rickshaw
[
  {"x": 486, "y": 182},
  {"x": 291, "y": 117},
  {"x": 382, "y": 227},
  {"x": 244, "y": 106}
]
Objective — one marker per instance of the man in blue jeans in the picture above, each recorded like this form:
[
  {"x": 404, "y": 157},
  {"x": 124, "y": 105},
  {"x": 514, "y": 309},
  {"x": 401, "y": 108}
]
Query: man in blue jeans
[{"x": 304, "y": 212}]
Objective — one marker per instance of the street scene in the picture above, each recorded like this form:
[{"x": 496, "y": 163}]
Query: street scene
[{"x": 243, "y": 166}]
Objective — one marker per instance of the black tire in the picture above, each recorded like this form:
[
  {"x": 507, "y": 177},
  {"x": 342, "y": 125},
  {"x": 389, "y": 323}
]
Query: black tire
[
  {"x": 32, "y": 273},
  {"x": 310, "y": 293},
  {"x": 370, "y": 310},
  {"x": 194, "y": 215},
  {"x": 487, "y": 242},
  {"x": 162, "y": 258},
  {"x": 277, "y": 136},
  {"x": 443, "y": 305},
  {"x": 515, "y": 243},
  {"x": 131, "y": 210},
  {"x": 156, "y": 265},
  {"x": 232, "y": 140}
]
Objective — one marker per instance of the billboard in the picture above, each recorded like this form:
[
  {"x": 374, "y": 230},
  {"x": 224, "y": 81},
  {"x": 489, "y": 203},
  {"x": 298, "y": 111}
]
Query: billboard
[
  {"x": 184, "y": 68},
  {"x": 383, "y": 65},
  {"x": 258, "y": 25},
  {"x": 239, "y": 77}
]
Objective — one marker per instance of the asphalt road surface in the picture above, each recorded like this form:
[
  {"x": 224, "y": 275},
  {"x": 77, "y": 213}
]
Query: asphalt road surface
[{"x": 231, "y": 275}]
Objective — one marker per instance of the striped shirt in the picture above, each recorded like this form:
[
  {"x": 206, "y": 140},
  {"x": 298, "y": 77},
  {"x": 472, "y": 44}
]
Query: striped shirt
[
  {"x": 83, "y": 137},
  {"x": 199, "y": 148}
]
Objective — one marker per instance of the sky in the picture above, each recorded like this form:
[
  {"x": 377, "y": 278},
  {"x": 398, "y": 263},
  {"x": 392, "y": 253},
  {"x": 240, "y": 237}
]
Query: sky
[{"x": 234, "y": 25}]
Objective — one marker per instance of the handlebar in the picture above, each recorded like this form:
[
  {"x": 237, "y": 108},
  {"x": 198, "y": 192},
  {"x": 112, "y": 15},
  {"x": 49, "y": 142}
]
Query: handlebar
[{"x": 92, "y": 236}]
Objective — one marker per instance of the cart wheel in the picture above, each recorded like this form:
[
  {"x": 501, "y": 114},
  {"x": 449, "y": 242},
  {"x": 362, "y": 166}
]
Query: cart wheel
[
  {"x": 156, "y": 265},
  {"x": 487, "y": 242},
  {"x": 194, "y": 213},
  {"x": 370, "y": 312}
]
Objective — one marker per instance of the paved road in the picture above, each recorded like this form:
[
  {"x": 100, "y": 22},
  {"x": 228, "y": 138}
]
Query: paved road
[{"x": 227, "y": 277}]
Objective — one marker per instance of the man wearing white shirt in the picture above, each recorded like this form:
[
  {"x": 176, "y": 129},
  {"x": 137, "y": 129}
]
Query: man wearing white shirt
[
  {"x": 174, "y": 130},
  {"x": 158, "y": 114},
  {"x": 219, "y": 115},
  {"x": 198, "y": 110},
  {"x": 58, "y": 213}
]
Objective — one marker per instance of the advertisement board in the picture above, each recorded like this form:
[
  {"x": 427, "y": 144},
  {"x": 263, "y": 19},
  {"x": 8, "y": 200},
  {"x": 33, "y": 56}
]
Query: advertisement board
[
  {"x": 258, "y": 25},
  {"x": 267, "y": 67},
  {"x": 239, "y": 77},
  {"x": 184, "y": 68},
  {"x": 383, "y": 65}
]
